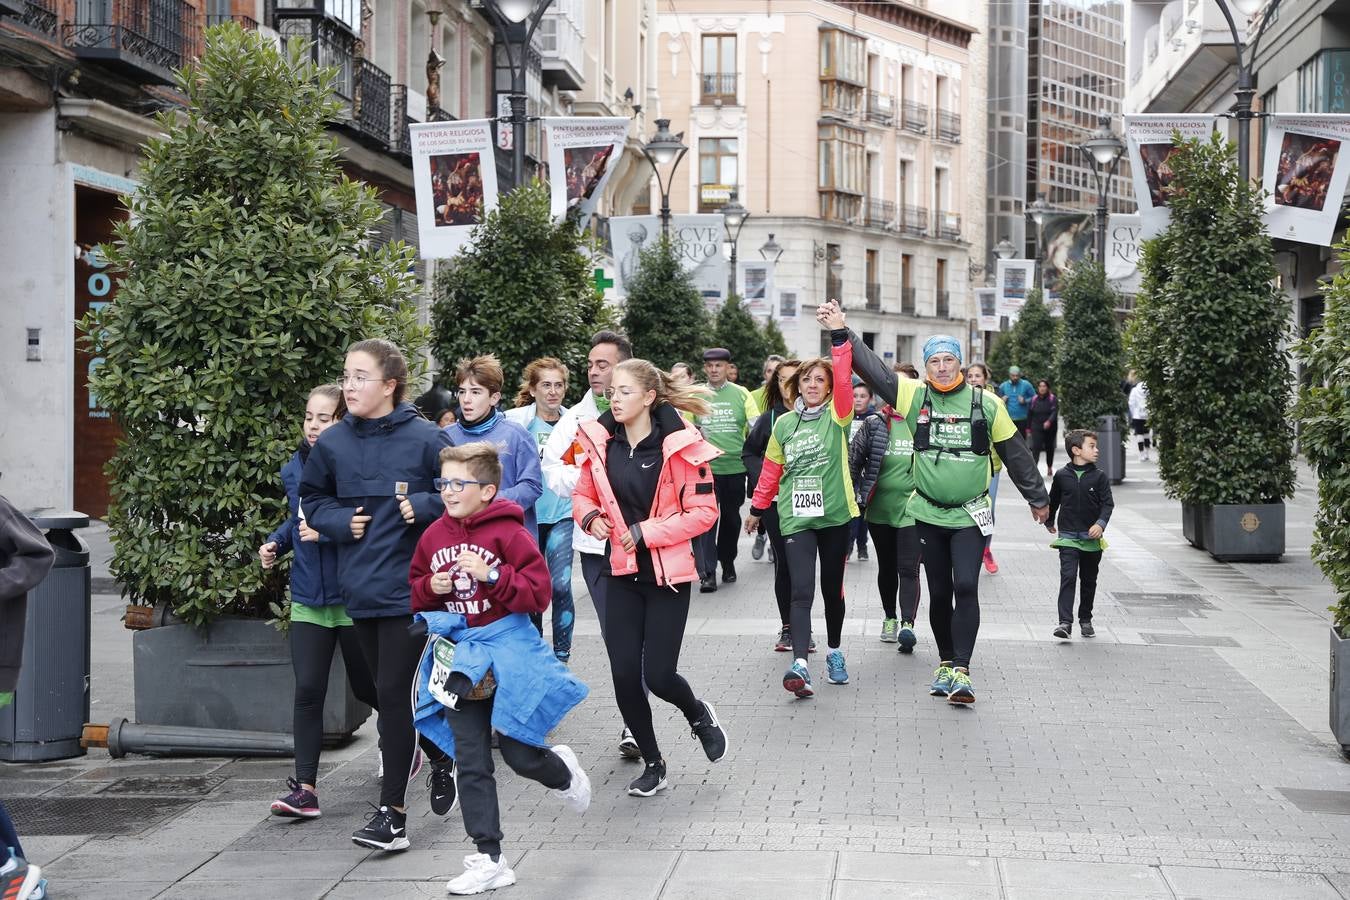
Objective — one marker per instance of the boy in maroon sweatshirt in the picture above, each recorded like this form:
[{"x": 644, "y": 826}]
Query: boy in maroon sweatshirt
[{"x": 479, "y": 561}]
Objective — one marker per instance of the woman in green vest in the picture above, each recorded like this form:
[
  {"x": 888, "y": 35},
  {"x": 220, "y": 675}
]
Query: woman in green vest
[{"x": 957, "y": 429}]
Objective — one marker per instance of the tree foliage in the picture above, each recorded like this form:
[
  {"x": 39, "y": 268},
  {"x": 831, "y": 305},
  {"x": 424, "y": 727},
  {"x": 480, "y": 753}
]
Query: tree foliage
[
  {"x": 522, "y": 289},
  {"x": 1324, "y": 419},
  {"x": 665, "y": 317},
  {"x": 246, "y": 274},
  {"x": 1091, "y": 361},
  {"x": 750, "y": 342},
  {"x": 1034, "y": 340},
  {"x": 1000, "y": 357},
  {"x": 1208, "y": 339}
]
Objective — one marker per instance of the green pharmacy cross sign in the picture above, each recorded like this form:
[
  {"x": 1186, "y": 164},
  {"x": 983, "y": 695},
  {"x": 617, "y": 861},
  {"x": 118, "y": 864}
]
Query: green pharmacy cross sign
[{"x": 601, "y": 282}]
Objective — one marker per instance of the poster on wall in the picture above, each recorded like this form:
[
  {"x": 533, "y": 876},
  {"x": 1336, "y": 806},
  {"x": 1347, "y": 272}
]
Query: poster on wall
[
  {"x": 1122, "y": 253},
  {"x": 1068, "y": 238},
  {"x": 1148, "y": 139},
  {"x": 755, "y": 281},
  {"x": 986, "y": 299},
  {"x": 789, "y": 300},
  {"x": 697, "y": 239},
  {"x": 1012, "y": 283},
  {"x": 455, "y": 174},
  {"x": 582, "y": 154},
  {"x": 1306, "y": 167}
]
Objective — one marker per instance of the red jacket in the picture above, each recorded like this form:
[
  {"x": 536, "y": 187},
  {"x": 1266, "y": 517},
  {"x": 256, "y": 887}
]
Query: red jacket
[
  {"x": 496, "y": 533},
  {"x": 684, "y": 507}
]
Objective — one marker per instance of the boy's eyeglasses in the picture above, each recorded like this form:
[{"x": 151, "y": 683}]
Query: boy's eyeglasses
[{"x": 455, "y": 484}]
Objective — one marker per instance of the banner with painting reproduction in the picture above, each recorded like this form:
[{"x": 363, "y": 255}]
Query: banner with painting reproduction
[
  {"x": 1013, "y": 281},
  {"x": 582, "y": 154},
  {"x": 1306, "y": 167},
  {"x": 455, "y": 176},
  {"x": 698, "y": 243},
  {"x": 755, "y": 282},
  {"x": 986, "y": 299},
  {"x": 1148, "y": 141}
]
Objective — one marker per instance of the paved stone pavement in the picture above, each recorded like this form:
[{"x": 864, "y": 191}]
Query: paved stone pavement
[{"x": 1183, "y": 753}]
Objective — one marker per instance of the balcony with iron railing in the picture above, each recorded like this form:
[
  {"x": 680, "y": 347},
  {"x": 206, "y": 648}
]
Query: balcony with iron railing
[
  {"x": 372, "y": 98},
  {"x": 947, "y": 225},
  {"x": 718, "y": 88},
  {"x": 878, "y": 213},
  {"x": 914, "y": 117},
  {"x": 144, "y": 40},
  {"x": 908, "y": 301},
  {"x": 948, "y": 126},
  {"x": 880, "y": 108},
  {"x": 245, "y": 22},
  {"x": 40, "y": 16},
  {"x": 562, "y": 46},
  {"x": 943, "y": 304},
  {"x": 873, "y": 294},
  {"x": 841, "y": 100},
  {"x": 914, "y": 221}
]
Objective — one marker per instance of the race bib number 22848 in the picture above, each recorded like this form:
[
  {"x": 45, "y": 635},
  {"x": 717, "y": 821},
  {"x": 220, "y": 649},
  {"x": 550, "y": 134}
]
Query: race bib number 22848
[{"x": 808, "y": 497}]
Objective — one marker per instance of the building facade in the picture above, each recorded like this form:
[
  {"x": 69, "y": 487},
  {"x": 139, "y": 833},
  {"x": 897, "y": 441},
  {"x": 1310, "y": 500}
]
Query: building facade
[
  {"x": 79, "y": 83},
  {"x": 852, "y": 133}
]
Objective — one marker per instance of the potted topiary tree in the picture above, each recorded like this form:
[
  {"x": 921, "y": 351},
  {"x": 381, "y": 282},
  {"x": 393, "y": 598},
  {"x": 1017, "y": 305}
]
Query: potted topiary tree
[
  {"x": 750, "y": 343},
  {"x": 1324, "y": 420},
  {"x": 664, "y": 316},
  {"x": 1034, "y": 338},
  {"x": 1208, "y": 309},
  {"x": 246, "y": 273},
  {"x": 1091, "y": 361}
]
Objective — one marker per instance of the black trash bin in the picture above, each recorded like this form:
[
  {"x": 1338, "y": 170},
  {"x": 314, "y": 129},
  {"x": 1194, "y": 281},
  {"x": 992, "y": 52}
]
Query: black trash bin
[
  {"x": 51, "y": 701},
  {"x": 1111, "y": 443}
]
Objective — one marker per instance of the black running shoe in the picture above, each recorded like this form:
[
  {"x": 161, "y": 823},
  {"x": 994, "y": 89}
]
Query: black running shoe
[
  {"x": 710, "y": 733},
  {"x": 441, "y": 783},
  {"x": 652, "y": 779},
  {"x": 1086, "y": 629},
  {"x": 728, "y": 574},
  {"x": 707, "y": 585},
  {"x": 386, "y": 830}
]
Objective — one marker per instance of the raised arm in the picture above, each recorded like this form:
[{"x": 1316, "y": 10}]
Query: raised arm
[{"x": 841, "y": 355}]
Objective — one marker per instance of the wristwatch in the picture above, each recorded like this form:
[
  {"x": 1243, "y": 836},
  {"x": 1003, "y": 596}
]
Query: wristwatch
[{"x": 493, "y": 575}]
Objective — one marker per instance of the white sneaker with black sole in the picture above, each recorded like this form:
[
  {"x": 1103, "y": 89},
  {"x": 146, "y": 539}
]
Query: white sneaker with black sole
[
  {"x": 628, "y": 747},
  {"x": 387, "y": 830},
  {"x": 482, "y": 874}
]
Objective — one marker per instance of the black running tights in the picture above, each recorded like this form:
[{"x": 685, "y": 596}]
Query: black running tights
[
  {"x": 802, "y": 549},
  {"x": 782, "y": 582},
  {"x": 312, "y": 648},
  {"x": 951, "y": 558},
  {"x": 897, "y": 568}
]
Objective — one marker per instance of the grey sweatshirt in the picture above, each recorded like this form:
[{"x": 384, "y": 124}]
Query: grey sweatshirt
[{"x": 25, "y": 559}]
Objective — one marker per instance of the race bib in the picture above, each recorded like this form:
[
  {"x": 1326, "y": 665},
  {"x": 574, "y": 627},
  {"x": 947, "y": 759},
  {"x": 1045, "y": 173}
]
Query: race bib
[
  {"x": 443, "y": 657},
  {"x": 808, "y": 496},
  {"x": 981, "y": 513}
]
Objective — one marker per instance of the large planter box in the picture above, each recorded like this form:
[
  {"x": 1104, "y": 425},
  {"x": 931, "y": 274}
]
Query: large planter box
[
  {"x": 1248, "y": 532},
  {"x": 234, "y": 674},
  {"x": 1340, "y": 691},
  {"x": 1190, "y": 525}
]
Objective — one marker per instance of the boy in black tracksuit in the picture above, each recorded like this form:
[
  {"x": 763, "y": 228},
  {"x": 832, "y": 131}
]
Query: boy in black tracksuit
[{"x": 1080, "y": 496}]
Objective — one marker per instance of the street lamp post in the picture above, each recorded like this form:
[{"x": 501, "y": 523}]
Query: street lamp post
[
  {"x": 733, "y": 216},
  {"x": 1242, "y": 108},
  {"x": 1038, "y": 212},
  {"x": 771, "y": 250},
  {"x": 515, "y": 22},
  {"x": 665, "y": 149},
  {"x": 1103, "y": 150}
]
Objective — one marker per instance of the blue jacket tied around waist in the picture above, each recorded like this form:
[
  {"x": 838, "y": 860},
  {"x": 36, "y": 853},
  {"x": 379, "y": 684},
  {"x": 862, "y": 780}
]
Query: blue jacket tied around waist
[{"x": 534, "y": 690}]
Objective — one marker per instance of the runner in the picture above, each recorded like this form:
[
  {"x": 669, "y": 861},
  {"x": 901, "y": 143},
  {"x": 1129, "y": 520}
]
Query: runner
[
  {"x": 808, "y": 456},
  {"x": 955, "y": 429},
  {"x": 760, "y": 394},
  {"x": 881, "y": 458},
  {"x": 977, "y": 376},
  {"x": 538, "y": 409},
  {"x": 646, "y": 488},
  {"x": 367, "y": 486},
  {"x": 863, "y": 412},
  {"x": 726, "y": 424},
  {"x": 779, "y": 398},
  {"x": 319, "y": 620},
  {"x": 562, "y": 470}
]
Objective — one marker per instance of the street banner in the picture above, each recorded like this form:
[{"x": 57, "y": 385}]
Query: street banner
[
  {"x": 1066, "y": 238},
  {"x": 582, "y": 154},
  {"x": 1122, "y": 253},
  {"x": 1306, "y": 167},
  {"x": 455, "y": 174},
  {"x": 755, "y": 280},
  {"x": 1012, "y": 283},
  {"x": 698, "y": 242},
  {"x": 1148, "y": 138},
  {"x": 987, "y": 300},
  {"x": 789, "y": 301}
]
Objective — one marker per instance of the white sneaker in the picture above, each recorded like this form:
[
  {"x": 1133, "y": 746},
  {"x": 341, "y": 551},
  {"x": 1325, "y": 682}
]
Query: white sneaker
[
  {"x": 482, "y": 874},
  {"x": 577, "y": 795},
  {"x": 18, "y": 878}
]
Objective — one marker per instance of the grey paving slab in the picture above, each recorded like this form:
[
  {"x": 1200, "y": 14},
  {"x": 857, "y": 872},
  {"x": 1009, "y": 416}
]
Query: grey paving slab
[
  {"x": 564, "y": 864},
  {"x": 416, "y": 863},
  {"x": 1192, "y": 883},
  {"x": 290, "y": 888},
  {"x": 394, "y": 890},
  {"x": 748, "y": 889},
  {"x": 917, "y": 868},
  {"x": 106, "y": 889},
  {"x": 1023, "y": 878},
  {"x": 115, "y": 861},
  {"x": 733, "y": 865},
  {"x": 316, "y": 864},
  {"x": 877, "y": 890}
]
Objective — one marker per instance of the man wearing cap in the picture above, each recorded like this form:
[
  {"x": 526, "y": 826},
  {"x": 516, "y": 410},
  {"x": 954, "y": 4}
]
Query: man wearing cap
[
  {"x": 725, "y": 426},
  {"x": 1017, "y": 394}
]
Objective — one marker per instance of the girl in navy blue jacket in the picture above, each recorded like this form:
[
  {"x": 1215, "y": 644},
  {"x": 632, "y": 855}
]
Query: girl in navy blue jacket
[
  {"x": 367, "y": 486},
  {"x": 319, "y": 621}
]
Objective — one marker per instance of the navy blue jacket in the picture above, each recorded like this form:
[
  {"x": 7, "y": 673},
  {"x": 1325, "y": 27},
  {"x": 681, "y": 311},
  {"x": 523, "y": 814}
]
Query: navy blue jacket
[
  {"x": 314, "y": 569},
  {"x": 366, "y": 463}
]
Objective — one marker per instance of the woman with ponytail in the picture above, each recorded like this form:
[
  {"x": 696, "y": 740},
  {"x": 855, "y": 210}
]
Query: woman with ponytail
[{"x": 646, "y": 488}]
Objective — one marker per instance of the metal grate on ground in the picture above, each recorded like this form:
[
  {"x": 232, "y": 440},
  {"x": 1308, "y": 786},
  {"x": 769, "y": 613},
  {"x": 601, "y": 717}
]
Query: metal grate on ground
[{"x": 50, "y": 816}]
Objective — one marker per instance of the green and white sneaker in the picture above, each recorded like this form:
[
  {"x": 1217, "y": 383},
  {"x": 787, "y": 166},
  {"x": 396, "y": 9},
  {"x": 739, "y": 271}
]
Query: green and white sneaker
[
  {"x": 961, "y": 691},
  {"x": 942, "y": 681},
  {"x": 889, "y": 629}
]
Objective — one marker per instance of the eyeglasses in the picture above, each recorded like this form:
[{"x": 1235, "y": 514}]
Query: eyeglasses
[
  {"x": 626, "y": 392},
  {"x": 356, "y": 381},
  {"x": 456, "y": 485}
]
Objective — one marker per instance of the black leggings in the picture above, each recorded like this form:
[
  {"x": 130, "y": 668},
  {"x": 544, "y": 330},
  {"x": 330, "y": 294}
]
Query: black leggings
[
  {"x": 644, "y": 629},
  {"x": 782, "y": 582},
  {"x": 312, "y": 649},
  {"x": 951, "y": 558},
  {"x": 897, "y": 568},
  {"x": 1043, "y": 441},
  {"x": 801, "y": 550},
  {"x": 393, "y": 654}
]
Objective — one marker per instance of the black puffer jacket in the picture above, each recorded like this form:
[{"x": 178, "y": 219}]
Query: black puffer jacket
[{"x": 866, "y": 452}]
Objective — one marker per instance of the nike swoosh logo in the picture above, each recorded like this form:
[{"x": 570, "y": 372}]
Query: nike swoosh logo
[{"x": 648, "y": 465}]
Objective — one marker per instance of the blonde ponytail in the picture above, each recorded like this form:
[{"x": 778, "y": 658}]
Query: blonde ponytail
[{"x": 692, "y": 398}]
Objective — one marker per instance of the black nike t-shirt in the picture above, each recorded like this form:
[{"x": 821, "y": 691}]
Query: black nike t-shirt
[{"x": 634, "y": 473}]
